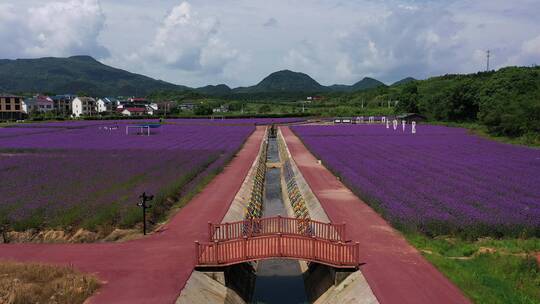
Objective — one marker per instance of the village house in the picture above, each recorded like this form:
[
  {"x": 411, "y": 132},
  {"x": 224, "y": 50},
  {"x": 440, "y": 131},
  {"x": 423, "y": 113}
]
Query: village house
[
  {"x": 135, "y": 103},
  {"x": 45, "y": 104},
  {"x": 39, "y": 104},
  {"x": 150, "y": 110},
  {"x": 152, "y": 107},
  {"x": 107, "y": 104},
  {"x": 12, "y": 107},
  {"x": 62, "y": 103},
  {"x": 83, "y": 106},
  {"x": 133, "y": 111}
]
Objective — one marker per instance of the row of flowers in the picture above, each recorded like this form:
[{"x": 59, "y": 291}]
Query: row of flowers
[
  {"x": 66, "y": 176},
  {"x": 440, "y": 180}
]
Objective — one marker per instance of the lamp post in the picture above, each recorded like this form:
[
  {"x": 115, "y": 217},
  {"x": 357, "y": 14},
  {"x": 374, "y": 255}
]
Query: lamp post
[{"x": 144, "y": 199}]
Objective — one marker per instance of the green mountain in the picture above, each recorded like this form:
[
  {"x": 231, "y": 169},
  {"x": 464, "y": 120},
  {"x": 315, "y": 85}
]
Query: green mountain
[
  {"x": 285, "y": 82},
  {"x": 367, "y": 83},
  {"x": 75, "y": 74},
  {"x": 364, "y": 84},
  {"x": 220, "y": 89},
  {"x": 85, "y": 74},
  {"x": 403, "y": 81}
]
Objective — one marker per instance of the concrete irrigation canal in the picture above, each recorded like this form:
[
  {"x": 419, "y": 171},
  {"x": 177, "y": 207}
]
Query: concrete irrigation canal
[
  {"x": 279, "y": 274},
  {"x": 256, "y": 255}
]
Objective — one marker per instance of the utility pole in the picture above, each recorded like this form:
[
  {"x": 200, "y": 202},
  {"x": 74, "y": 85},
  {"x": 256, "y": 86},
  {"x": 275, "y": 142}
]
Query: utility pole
[
  {"x": 144, "y": 199},
  {"x": 488, "y": 55}
]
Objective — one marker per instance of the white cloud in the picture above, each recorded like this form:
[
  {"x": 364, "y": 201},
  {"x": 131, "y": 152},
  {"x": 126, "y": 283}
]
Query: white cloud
[
  {"x": 11, "y": 33},
  {"x": 529, "y": 53},
  {"x": 64, "y": 28},
  {"x": 393, "y": 40},
  {"x": 189, "y": 42},
  {"x": 216, "y": 54},
  {"x": 210, "y": 41},
  {"x": 53, "y": 29},
  {"x": 427, "y": 39},
  {"x": 532, "y": 46}
]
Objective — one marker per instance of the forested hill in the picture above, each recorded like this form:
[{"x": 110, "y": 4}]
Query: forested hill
[
  {"x": 75, "y": 74},
  {"x": 506, "y": 101},
  {"x": 85, "y": 74},
  {"x": 294, "y": 82},
  {"x": 364, "y": 84},
  {"x": 284, "y": 81}
]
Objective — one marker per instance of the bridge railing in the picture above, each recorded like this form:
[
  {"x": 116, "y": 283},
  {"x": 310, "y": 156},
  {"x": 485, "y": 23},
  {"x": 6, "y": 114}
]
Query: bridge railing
[
  {"x": 275, "y": 225},
  {"x": 335, "y": 254}
]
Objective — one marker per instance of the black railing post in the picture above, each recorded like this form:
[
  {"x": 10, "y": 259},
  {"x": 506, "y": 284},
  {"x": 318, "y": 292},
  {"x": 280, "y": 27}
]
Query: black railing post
[{"x": 144, "y": 199}]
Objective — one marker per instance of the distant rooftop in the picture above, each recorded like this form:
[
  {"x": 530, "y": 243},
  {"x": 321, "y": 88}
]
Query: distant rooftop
[{"x": 136, "y": 109}]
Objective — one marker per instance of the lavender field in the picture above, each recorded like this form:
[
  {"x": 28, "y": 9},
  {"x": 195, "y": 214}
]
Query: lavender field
[
  {"x": 83, "y": 174},
  {"x": 441, "y": 180}
]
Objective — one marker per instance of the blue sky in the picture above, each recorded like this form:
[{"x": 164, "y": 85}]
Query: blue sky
[{"x": 238, "y": 42}]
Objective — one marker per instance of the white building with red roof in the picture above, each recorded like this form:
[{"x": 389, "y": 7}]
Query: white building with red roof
[{"x": 134, "y": 111}]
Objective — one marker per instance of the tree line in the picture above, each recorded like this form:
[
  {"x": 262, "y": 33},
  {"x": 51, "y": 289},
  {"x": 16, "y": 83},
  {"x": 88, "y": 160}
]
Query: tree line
[{"x": 507, "y": 101}]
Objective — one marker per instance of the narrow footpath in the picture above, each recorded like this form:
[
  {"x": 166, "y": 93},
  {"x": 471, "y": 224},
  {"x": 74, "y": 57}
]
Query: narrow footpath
[
  {"x": 395, "y": 271},
  {"x": 156, "y": 268}
]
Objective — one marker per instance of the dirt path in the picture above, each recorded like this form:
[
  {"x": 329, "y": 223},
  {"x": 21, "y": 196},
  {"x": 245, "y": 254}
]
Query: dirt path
[
  {"x": 395, "y": 271},
  {"x": 154, "y": 269}
]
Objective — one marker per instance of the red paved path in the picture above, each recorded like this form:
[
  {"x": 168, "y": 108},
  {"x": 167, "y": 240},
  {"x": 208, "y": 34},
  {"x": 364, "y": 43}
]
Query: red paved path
[
  {"x": 395, "y": 271},
  {"x": 154, "y": 269}
]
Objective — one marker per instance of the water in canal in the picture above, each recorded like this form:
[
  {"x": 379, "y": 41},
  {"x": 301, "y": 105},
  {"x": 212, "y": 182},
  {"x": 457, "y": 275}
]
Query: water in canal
[{"x": 278, "y": 281}]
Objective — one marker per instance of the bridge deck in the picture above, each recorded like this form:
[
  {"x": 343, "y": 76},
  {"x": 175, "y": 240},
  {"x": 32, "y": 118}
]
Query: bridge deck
[{"x": 224, "y": 253}]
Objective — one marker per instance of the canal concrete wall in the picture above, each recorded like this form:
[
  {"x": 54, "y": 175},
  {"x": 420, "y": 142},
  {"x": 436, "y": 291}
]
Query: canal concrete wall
[
  {"x": 202, "y": 288},
  {"x": 352, "y": 289}
]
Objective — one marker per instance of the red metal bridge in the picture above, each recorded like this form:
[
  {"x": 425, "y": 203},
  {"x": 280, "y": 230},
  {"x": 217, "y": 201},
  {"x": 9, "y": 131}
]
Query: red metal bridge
[{"x": 277, "y": 237}]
